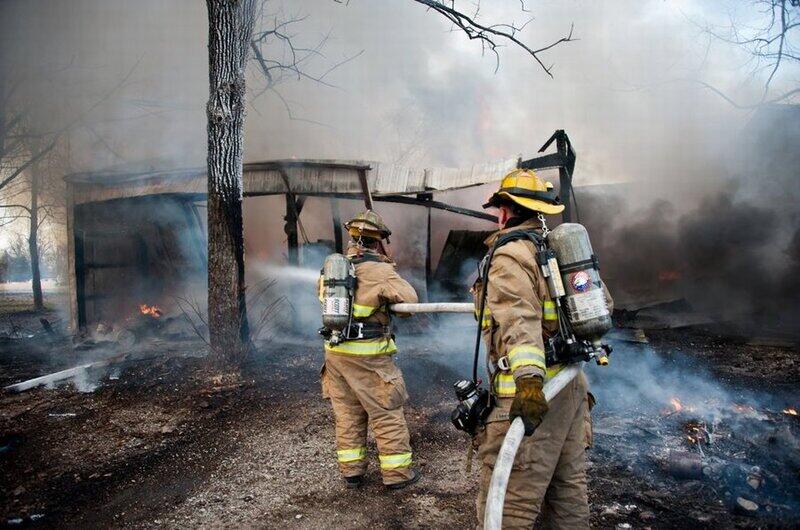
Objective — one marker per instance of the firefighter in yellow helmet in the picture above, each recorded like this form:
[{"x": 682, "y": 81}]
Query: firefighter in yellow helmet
[
  {"x": 360, "y": 377},
  {"x": 519, "y": 314}
]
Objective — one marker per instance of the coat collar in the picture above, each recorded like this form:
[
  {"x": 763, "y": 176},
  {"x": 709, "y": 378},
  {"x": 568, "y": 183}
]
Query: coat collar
[{"x": 530, "y": 224}]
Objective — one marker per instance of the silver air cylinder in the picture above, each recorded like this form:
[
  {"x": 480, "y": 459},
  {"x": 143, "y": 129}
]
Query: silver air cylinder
[
  {"x": 585, "y": 301},
  {"x": 336, "y": 292}
]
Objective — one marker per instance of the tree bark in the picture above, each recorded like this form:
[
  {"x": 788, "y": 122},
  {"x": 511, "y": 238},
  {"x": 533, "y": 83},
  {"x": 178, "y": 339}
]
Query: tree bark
[
  {"x": 33, "y": 242},
  {"x": 230, "y": 27}
]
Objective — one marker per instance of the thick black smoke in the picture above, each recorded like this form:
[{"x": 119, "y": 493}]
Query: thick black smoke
[{"x": 734, "y": 254}]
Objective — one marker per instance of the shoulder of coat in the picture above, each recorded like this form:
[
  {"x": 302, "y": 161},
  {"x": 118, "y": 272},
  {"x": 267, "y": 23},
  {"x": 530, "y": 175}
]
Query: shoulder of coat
[
  {"x": 520, "y": 250},
  {"x": 374, "y": 268}
]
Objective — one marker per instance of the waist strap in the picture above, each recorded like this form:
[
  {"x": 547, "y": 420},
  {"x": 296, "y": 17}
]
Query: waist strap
[{"x": 367, "y": 331}]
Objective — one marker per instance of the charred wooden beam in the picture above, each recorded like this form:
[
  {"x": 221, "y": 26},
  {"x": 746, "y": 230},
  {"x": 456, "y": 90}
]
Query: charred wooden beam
[
  {"x": 402, "y": 199},
  {"x": 336, "y": 217}
]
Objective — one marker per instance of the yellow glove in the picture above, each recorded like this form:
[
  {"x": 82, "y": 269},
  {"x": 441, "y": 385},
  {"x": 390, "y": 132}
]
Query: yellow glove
[{"x": 529, "y": 403}]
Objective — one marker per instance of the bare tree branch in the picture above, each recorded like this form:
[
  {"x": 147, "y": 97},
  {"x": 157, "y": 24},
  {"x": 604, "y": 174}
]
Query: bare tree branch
[
  {"x": 492, "y": 36},
  {"x": 771, "y": 43}
]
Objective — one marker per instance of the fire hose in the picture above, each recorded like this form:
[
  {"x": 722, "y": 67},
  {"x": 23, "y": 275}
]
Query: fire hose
[
  {"x": 433, "y": 307},
  {"x": 495, "y": 498}
]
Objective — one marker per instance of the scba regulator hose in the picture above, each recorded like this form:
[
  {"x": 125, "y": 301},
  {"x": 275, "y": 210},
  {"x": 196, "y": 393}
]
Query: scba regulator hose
[{"x": 493, "y": 517}]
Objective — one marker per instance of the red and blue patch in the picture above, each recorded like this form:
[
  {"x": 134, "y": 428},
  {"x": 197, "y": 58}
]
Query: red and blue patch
[{"x": 581, "y": 281}]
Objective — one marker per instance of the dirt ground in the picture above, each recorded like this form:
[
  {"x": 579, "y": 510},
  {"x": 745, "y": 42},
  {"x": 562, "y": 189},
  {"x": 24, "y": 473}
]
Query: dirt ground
[{"x": 164, "y": 442}]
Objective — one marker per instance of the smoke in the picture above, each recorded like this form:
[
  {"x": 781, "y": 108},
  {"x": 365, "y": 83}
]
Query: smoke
[
  {"x": 730, "y": 248},
  {"x": 423, "y": 94}
]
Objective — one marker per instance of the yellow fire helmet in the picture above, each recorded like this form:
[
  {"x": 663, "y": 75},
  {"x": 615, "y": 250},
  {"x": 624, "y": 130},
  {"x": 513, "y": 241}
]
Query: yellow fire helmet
[
  {"x": 367, "y": 224},
  {"x": 525, "y": 188}
]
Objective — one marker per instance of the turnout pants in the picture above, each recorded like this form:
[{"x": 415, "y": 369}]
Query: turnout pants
[
  {"x": 549, "y": 473},
  {"x": 368, "y": 390}
]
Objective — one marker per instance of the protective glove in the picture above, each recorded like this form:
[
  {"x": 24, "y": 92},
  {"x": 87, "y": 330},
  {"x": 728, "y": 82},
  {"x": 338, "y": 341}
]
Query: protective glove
[{"x": 529, "y": 403}]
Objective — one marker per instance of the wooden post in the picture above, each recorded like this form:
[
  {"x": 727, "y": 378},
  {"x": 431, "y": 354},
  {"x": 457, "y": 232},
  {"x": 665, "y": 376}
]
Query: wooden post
[
  {"x": 564, "y": 178},
  {"x": 336, "y": 216},
  {"x": 428, "y": 264},
  {"x": 290, "y": 228}
]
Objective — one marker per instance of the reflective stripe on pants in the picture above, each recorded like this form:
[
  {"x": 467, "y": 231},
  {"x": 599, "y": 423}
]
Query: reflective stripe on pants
[
  {"x": 395, "y": 461},
  {"x": 369, "y": 390},
  {"x": 344, "y": 456}
]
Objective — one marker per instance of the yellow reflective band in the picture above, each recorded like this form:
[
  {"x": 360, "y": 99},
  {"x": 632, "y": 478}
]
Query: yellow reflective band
[
  {"x": 553, "y": 370},
  {"x": 351, "y": 455},
  {"x": 526, "y": 355},
  {"x": 550, "y": 310},
  {"x": 395, "y": 461},
  {"x": 487, "y": 317},
  {"x": 362, "y": 311},
  {"x": 363, "y": 347},
  {"x": 504, "y": 385}
]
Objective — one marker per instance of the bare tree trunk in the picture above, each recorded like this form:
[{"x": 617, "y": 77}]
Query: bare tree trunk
[
  {"x": 230, "y": 27},
  {"x": 33, "y": 241}
]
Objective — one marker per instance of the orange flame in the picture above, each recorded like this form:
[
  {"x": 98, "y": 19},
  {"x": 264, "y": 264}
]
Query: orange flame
[
  {"x": 668, "y": 276},
  {"x": 676, "y": 404},
  {"x": 150, "y": 310},
  {"x": 791, "y": 411}
]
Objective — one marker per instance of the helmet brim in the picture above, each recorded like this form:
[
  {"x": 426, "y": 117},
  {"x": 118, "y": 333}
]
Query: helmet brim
[
  {"x": 353, "y": 227},
  {"x": 530, "y": 204}
]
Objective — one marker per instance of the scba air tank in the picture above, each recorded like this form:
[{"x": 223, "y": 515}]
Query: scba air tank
[
  {"x": 584, "y": 301},
  {"x": 336, "y": 292}
]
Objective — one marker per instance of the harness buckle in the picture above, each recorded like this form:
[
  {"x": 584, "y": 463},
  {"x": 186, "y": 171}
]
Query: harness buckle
[{"x": 503, "y": 364}]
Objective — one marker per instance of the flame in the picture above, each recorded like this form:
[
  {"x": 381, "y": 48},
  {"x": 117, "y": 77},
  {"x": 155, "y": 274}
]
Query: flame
[
  {"x": 741, "y": 408},
  {"x": 150, "y": 310},
  {"x": 791, "y": 411},
  {"x": 696, "y": 432},
  {"x": 676, "y": 404},
  {"x": 668, "y": 276}
]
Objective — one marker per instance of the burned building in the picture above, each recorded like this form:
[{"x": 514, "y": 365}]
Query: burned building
[{"x": 138, "y": 238}]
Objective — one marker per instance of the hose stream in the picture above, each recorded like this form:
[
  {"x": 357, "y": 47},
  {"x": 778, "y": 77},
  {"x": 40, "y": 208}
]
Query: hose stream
[{"x": 495, "y": 498}]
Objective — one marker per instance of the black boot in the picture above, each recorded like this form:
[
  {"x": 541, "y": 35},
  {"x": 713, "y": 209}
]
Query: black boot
[
  {"x": 413, "y": 480},
  {"x": 354, "y": 482}
]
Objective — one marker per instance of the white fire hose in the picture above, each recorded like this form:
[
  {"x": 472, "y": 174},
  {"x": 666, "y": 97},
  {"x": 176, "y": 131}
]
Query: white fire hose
[
  {"x": 495, "y": 498},
  {"x": 434, "y": 307},
  {"x": 493, "y": 517}
]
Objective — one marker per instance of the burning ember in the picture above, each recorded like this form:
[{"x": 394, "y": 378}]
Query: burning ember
[
  {"x": 151, "y": 310},
  {"x": 696, "y": 432},
  {"x": 791, "y": 411},
  {"x": 668, "y": 276},
  {"x": 676, "y": 406}
]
